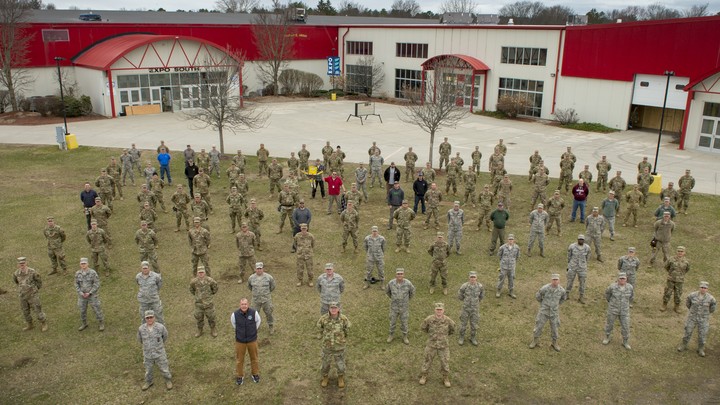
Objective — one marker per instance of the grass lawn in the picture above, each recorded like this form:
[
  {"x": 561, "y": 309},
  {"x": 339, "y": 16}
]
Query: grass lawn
[{"x": 64, "y": 366}]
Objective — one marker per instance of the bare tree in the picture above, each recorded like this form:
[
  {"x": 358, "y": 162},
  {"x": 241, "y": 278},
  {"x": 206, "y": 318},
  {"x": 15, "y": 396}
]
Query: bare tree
[
  {"x": 698, "y": 10},
  {"x": 555, "y": 15},
  {"x": 236, "y": 6},
  {"x": 523, "y": 12},
  {"x": 274, "y": 36},
  {"x": 351, "y": 8},
  {"x": 659, "y": 11},
  {"x": 628, "y": 14},
  {"x": 437, "y": 107},
  {"x": 220, "y": 108},
  {"x": 369, "y": 78},
  {"x": 458, "y": 6},
  {"x": 14, "y": 47},
  {"x": 405, "y": 8}
]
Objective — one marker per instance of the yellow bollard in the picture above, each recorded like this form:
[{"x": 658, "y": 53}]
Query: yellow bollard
[
  {"x": 333, "y": 96},
  {"x": 71, "y": 141},
  {"x": 656, "y": 186}
]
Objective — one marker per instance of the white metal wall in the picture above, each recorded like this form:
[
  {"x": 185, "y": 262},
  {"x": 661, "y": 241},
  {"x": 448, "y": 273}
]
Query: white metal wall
[
  {"x": 93, "y": 83},
  {"x": 603, "y": 101}
]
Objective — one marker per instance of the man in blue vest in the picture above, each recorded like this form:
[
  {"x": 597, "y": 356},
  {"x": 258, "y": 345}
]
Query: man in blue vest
[{"x": 246, "y": 322}]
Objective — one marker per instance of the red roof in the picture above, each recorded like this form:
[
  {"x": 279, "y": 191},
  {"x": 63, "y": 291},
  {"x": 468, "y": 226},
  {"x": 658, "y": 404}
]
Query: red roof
[{"x": 460, "y": 61}]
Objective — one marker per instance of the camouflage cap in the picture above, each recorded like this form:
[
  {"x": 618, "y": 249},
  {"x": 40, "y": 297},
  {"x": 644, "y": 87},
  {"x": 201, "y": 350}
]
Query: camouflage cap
[
  {"x": 333, "y": 305},
  {"x": 83, "y": 260},
  {"x": 196, "y": 219},
  {"x": 631, "y": 249},
  {"x": 243, "y": 224},
  {"x": 611, "y": 192},
  {"x": 511, "y": 236},
  {"x": 456, "y": 202},
  {"x": 704, "y": 284},
  {"x": 201, "y": 269},
  {"x": 500, "y": 204},
  {"x": 472, "y": 274},
  {"x": 145, "y": 264},
  {"x": 302, "y": 201},
  {"x": 303, "y": 226},
  {"x": 622, "y": 275},
  {"x": 22, "y": 259},
  {"x": 329, "y": 266},
  {"x": 681, "y": 248},
  {"x": 404, "y": 201},
  {"x": 581, "y": 236},
  {"x": 93, "y": 221},
  {"x": 439, "y": 305},
  {"x": 440, "y": 234},
  {"x": 50, "y": 218},
  {"x": 143, "y": 222},
  {"x": 259, "y": 265},
  {"x": 252, "y": 200},
  {"x": 557, "y": 191},
  {"x": 98, "y": 199},
  {"x": 596, "y": 209},
  {"x": 149, "y": 313},
  {"x": 374, "y": 228},
  {"x": 197, "y": 195},
  {"x": 399, "y": 270},
  {"x": 555, "y": 276},
  {"x": 666, "y": 199},
  {"x": 540, "y": 206}
]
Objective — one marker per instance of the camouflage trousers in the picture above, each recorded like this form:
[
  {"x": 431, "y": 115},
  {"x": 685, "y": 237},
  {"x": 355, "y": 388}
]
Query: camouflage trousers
[
  {"x": 274, "y": 185},
  {"x": 476, "y": 167},
  {"x": 538, "y": 195},
  {"x": 540, "y": 321},
  {"x": 304, "y": 265},
  {"x": 403, "y": 236},
  {"x": 631, "y": 211},
  {"x": 128, "y": 171},
  {"x": 155, "y": 306},
  {"x": 285, "y": 213},
  {"x": 371, "y": 263},
  {"x": 107, "y": 198},
  {"x": 333, "y": 355},
  {"x": 502, "y": 274},
  {"x": 644, "y": 190},
  {"x": 702, "y": 325},
  {"x": 351, "y": 233},
  {"x": 444, "y": 159},
  {"x": 205, "y": 195},
  {"x": 471, "y": 315},
  {"x": 451, "y": 182},
  {"x": 581, "y": 275},
  {"x": 117, "y": 189},
  {"x": 57, "y": 258},
  {"x": 470, "y": 195},
  {"x": 262, "y": 167},
  {"x": 409, "y": 173},
  {"x": 595, "y": 241},
  {"x": 235, "y": 219},
  {"x": 443, "y": 354},
  {"x": 565, "y": 179},
  {"x": 504, "y": 198},
  {"x": 179, "y": 215},
  {"x": 32, "y": 302},
  {"x": 94, "y": 302},
  {"x": 624, "y": 324},
  {"x": 162, "y": 364},
  {"x": 673, "y": 287},
  {"x": 246, "y": 262},
  {"x": 484, "y": 215},
  {"x": 665, "y": 247},
  {"x": 214, "y": 167},
  {"x": 632, "y": 279},
  {"x": 602, "y": 182},
  {"x": 401, "y": 311},
  {"x": 683, "y": 201},
  {"x": 454, "y": 238},
  {"x": 203, "y": 311},
  {"x": 97, "y": 256},
  {"x": 362, "y": 187},
  {"x": 540, "y": 236},
  {"x": 375, "y": 174},
  {"x": 438, "y": 267},
  {"x": 196, "y": 258},
  {"x": 556, "y": 218},
  {"x": 256, "y": 230},
  {"x": 432, "y": 212},
  {"x": 267, "y": 307},
  {"x": 150, "y": 256},
  {"x": 159, "y": 199}
]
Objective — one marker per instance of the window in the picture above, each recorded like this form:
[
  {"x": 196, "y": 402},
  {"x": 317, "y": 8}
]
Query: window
[
  {"x": 644, "y": 84},
  {"x": 359, "y": 48},
  {"x": 532, "y": 89},
  {"x": 359, "y": 78},
  {"x": 523, "y": 56},
  {"x": 407, "y": 81},
  {"x": 405, "y": 50},
  {"x": 679, "y": 86},
  {"x": 55, "y": 36}
]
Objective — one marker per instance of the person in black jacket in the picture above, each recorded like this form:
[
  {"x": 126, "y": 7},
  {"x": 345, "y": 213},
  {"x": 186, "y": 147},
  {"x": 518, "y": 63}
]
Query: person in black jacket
[
  {"x": 391, "y": 175},
  {"x": 191, "y": 170},
  {"x": 246, "y": 322},
  {"x": 420, "y": 187},
  {"x": 87, "y": 196}
]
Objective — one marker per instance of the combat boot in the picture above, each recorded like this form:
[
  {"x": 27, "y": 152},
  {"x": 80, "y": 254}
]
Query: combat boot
[
  {"x": 213, "y": 331},
  {"x": 343, "y": 249},
  {"x": 446, "y": 381},
  {"x": 677, "y": 309},
  {"x": 324, "y": 381},
  {"x": 367, "y": 285},
  {"x": 168, "y": 383},
  {"x": 43, "y": 326},
  {"x": 390, "y": 338},
  {"x": 356, "y": 249},
  {"x": 606, "y": 340},
  {"x": 445, "y": 291},
  {"x": 83, "y": 326},
  {"x": 101, "y": 326},
  {"x": 473, "y": 340},
  {"x": 397, "y": 250},
  {"x": 664, "y": 307},
  {"x": 407, "y": 249},
  {"x": 146, "y": 386},
  {"x": 461, "y": 340},
  {"x": 581, "y": 299},
  {"x": 28, "y": 326},
  {"x": 626, "y": 344},
  {"x": 555, "y": 345},
  {"x": 511, "y": 294},
  {"x": 341, "y": 381},
  {"x": 54, "y": 271},
  {"x": 497, "y": 294},
  {"x": 534, "y": 343},
  {"x": 199, "y": 332},
  {"x": 405, "y": 339},
  {"x": 701, "y": 350},
  {"x": 432, "y": 290},
  {"x": 683, "y": 346},
  {"x": 542, "y": 253},
  {"x": 423, "y": 379},
  {"x": 271, "y": 329}
]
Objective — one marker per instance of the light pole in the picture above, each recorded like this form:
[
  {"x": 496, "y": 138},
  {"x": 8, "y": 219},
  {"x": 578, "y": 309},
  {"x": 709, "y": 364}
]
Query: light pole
[
  {"x": 668, "y": 73},
  {"x": 62, "y": 96}
]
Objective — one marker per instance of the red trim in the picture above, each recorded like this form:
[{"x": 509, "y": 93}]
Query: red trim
[
  {"x": 484, "y": 90},
  {"x": 472, "y": 63},
  {"x": 112, "y": 93},
  {"x": 702, "y": 77},
  {"x": 472, "y": 92},
  {"x": 686, "y": 118},
  {"x": 557, "y": 72},
  {"x": 343, "y": 47}
]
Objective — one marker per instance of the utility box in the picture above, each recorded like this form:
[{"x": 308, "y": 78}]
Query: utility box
[
  {"x": 60, "y": 138},
  {"x": 656, "y": 186},
  {"x": 71, "y": 141}
]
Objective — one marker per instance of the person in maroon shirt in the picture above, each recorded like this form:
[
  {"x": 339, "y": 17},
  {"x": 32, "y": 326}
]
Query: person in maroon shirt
[
  {"x": 580, "y": 193},
  {"x": 335, "y": 184}
]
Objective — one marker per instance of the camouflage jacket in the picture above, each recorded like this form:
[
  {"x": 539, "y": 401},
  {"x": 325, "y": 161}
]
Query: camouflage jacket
[
  {"x": 199, "y": 239},
  {"x": 201, "y": 182},
  {"x": 245, "y": 242},
  {"x": 262, "y": 154},
  {"x": 439, "y": 250},
  {"x": 438, "y": 330},
  {"x": 433, "y": 198},
  {"x": 304, "y": 245},
  {"x": 254, "y": 216},
  {"x": 180, "y": 201},
  {"x": 403, "y": 216},
  {"x": 200, "y": 209},
  {"x": 550, "y": 299},
  {"x": 87, "y": 282},
  {"x": 330, "y": 288},
  {"x": 148, "y": 287},
  {"x": 619, "y": 298},
  {"x": 55, "y": 237},
  {"x": 203, "y": 290},
  {"x": 508, "y": 254},
  {"x": 628, "y": 265},
  {"x": 153, "y": 340},
  {"x": 471, "y": 294},
  {"x": 400, "y": 294},
  {"x": 676, "y": 268},
  {"x": 101, "y": 213},
  {"x": 700, "y": 305},
  {"x": 555, "y": 206},
  {"x": 578, "y": 256},
  {"x": 350, "y": 219},
  {"x": 97, "y": 239},
  {"x": 28, "y": 283},
  {"x": 445, "y": 149},
  {"x": 617, "y": 184},
  {"x": 261, "y": 287},
  {"x": 334, "y": 331},
  {"x": 594, "y": 225},
  {"x": 275, "y": 171},
  {"x": 105, "y": 184},
  {"x": 235, "y": 201}
]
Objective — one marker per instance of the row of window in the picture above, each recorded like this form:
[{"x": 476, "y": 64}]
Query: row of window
[{"x": 524, "y": 56}]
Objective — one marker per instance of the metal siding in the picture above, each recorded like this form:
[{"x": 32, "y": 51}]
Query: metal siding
[{"x": 654, "y": 94}]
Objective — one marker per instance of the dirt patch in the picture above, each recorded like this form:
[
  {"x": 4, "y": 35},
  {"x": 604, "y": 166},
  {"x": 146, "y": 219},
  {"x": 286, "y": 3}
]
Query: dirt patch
[
  {"x": 23, "y": 362},
  {"x": 33, "y": 118},
  {"x": 295, "y": 392}
]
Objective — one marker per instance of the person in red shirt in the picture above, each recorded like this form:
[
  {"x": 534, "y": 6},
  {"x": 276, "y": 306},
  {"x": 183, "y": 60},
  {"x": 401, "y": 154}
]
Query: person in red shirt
[
  {"x": 580, "y": 193},
  {"x": 335, "y": 185}
]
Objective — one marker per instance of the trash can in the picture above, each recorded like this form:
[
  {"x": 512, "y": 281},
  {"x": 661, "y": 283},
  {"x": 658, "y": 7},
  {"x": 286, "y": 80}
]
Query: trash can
[
  {"x": 71, "y": 141},
  {"x": 656, "y": 186},
  {"x": 333, "y": 96}
]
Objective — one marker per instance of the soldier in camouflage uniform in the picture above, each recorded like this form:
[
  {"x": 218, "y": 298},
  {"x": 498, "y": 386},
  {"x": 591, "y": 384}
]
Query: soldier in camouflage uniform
[
  {"x": 460, "y": 162},
  {"x": 87, "y": 284},
  {"x": 334, "y": 328},
  {"x": 476, "y": 156},
  {"x": 603, "y": 167},
  {"x": 566, "y": 173},
  {"x": 101, "y": 214},
  {"x": 496, "y": 163},
  {"x": 374, "y": 148},
  {"x": 293, "y": 164},
  {"x": 629, "y": 264},
  {"x": 55, "y": 236},
  {"x": 149, "y": 284},
  {"x": 501, "y": 147},
  {"x": 28, "y": 283},
  {"x": 433, "y": 197},
  {"x": 376, "y": 163},
  {"x": 203, "y": 160},
  {"x": 98, "y": 240},
  {"x": 242, "y": 186},
  {"x": 350, "y": 220},
  {"x": 245, "y": 241},
  {"x": 410, "y": 158},
  {"x": 634, "y": 198},
  {"x": 375, "y": 256},
  {"x": 470, "y": 293},
  {"x": 199, "y": 208},
  {"x": 262, "y": 285},
  {"x": 330, "y": 286},
  {"x": 126, "y": 164},
  {"x": 354, "y": 195},
  {"x": 199, "y": 239},
  {"x": 644, "y": 180},
  {"x": 455, "y": 220},
  {"x": 686, "y": 183},
  {"x": 676, "y": 267},
  {"x": 305, "y": 246},
  {"x": 586, "y": 175},
  {"x": 215, "y": 156},
  {"x": 146, "y": 195},
  {"x": 578, "y": 255},
  {"x": 618, "y": 184},
  {"x": 594, "y": 227},
  {"x": 148, "y": 215},
  {"x": 444, "y": 150},
  {"x": 700, "y": 305},
  {"x": 262, "y": 156},
  {"x": 400, "y": 292},
  {"x": 235, "y": 202},
  {"x": 663, "y": 233},
  {"x": 105, "y": 186},
  {"x": 254, "y": 215},
  {"x": 326, "y": 151},
  {"x": 288, "y": 202},
  {"x": 232, "y": 173},
  {"x": 555, "y": 208},
  {"x": 452, "y": 175},
  {"x": 535, "y": 159},
  {"x": 439, "y": 250},
  {"x": 509, "y": 253},
  {"x": 201, "y": 184},
  {"x": 156, "y": 186},
  {"x": 303, "y": 158},
  {"x": 240, "y": 161},
  {"x": 403, "y": 216},
  {"x": 671, "y": 193},
  {"x": 470, "y": 181},
  {"x": 550, "y": 296},
  {"x": 644, "y": 164},
  {"x": 147, "y": 243},
  {"x": 114, "y": 170},
  {"x": 504, "y": 190},
  {"x": 135, "y": 155},
  {"x": 275, "y": 173},
  {"x": 540, "y": 181},
  {"x": 428, "y": 173},
  {"x": 152, "y": 336},
  {"x": 361, "y": 176},
  {"x": 203, "y": 288},
  {"x": 485, "y": 201},
  {"x": 439, "y": 327},
  {"x": 619, "y": 295},
  {"x": 180, "y": 202}
]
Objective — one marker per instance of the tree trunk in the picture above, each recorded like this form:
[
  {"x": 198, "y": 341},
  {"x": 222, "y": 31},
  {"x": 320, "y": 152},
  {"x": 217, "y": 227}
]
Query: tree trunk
[
  {"x": 222, "y": 141},
  {"x": 11, "y": 89},
  {"x": 432, "y": 142}
]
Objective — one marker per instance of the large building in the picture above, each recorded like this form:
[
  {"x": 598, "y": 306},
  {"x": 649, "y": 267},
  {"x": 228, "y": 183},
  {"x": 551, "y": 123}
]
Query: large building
[{"x": 620, "y": 75}]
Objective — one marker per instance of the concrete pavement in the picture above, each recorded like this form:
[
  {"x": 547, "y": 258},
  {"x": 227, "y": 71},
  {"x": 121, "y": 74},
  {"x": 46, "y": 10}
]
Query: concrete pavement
[{"x": 315, "y": 122}]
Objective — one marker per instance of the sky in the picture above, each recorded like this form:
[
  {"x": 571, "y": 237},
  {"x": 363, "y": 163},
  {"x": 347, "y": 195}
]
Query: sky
[{"x": 484, "y": 6}]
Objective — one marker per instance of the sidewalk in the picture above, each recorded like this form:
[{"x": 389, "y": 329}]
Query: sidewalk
[{"x": 314, "y": 122}]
